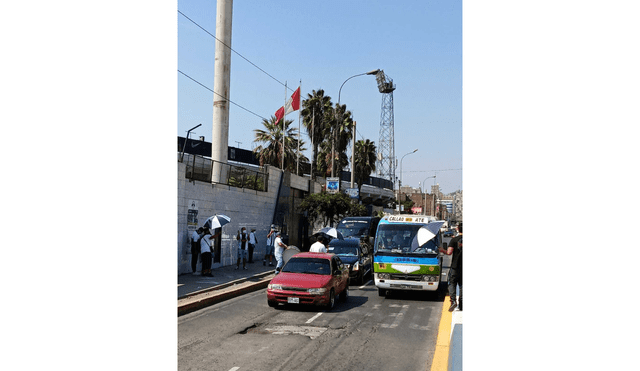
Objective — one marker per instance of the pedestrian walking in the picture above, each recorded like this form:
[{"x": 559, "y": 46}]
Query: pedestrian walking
[
  {"x": 271, "y": 237},
  {"x": 195, "y": 249},
  {"x": 205, "y": 252},
  {"x": 243, "y": 242},
  {"x": 319, "y": 245},
  {"x": 252, "y": 244},
  {"x": 279, "y": 247},
  {"x": 455, "y": 272}
]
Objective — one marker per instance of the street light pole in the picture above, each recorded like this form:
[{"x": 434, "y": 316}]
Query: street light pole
[
  {"x": 333, "y": 138},
  {"x": 425, "y": 195},
  {"x": 400, "y": 184}
]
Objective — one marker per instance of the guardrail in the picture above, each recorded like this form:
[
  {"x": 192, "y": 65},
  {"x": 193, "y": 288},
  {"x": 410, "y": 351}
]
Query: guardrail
[{"x": 207, "y": 170}]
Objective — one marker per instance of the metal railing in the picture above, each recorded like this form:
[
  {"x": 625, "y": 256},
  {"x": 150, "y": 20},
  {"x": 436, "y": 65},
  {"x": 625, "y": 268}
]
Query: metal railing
[{"x": 207, "y": 170}]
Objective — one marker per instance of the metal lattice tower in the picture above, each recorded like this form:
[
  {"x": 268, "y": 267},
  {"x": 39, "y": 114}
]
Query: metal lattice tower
[{"x": 385, "y": 165}]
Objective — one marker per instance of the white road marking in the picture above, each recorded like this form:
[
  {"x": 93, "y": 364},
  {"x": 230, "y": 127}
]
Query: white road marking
[
  {"x": 234, "y": 369},
  {"x": 314, "y": 317},
  {"x": 415, "y": 326},
  {"x": 365, "y": 285},
  {"x": 398, "y": 316}
]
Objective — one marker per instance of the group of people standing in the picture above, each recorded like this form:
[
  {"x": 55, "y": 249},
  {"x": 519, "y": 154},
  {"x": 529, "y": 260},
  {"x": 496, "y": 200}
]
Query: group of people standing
[
  {"x": 246, "y": 244},
  {"x": 203, "y": 242}
]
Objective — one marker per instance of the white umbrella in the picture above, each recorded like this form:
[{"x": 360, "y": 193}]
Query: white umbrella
[
  {"x": 216, "y": 221},
  {"x": 425, "y": 233},
  {"x": 332, "y": 232}
]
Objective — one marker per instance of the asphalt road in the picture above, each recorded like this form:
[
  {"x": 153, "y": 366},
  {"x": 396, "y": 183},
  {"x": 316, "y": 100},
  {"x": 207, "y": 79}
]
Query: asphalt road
[{"x": 367, "y": 331}]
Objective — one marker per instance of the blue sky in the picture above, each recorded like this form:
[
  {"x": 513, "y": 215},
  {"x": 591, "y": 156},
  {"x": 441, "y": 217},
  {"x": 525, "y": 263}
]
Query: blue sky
[{"x": 418, "y": 44}]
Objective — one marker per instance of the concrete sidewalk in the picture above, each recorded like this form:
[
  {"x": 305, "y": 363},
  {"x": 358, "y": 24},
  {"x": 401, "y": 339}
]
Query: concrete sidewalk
[{"x": 196, "y": 292}]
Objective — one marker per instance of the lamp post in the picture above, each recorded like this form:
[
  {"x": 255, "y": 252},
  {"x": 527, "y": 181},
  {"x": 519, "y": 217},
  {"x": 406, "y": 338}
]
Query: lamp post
[
  {"x": 333, "y": 154},
  {"x": 425, "y": 195},
  {"x": 186, "y": 139},
  {"x": 400, "y": 184}
]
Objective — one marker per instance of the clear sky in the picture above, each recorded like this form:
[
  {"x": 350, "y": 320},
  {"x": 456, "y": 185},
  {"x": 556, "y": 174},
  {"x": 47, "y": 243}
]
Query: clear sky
[{"x": 418, "y": 44}]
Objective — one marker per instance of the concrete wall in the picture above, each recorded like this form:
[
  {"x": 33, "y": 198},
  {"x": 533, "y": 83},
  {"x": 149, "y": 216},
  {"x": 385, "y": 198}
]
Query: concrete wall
[{"x": 248, "y": 208}]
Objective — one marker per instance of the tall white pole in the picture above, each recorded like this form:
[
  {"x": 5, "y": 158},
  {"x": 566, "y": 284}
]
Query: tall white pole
[
  {"x": 221, "y": 85},
  {"x": 284, "y": 116}
]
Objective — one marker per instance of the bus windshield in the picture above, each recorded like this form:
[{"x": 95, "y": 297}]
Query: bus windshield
[
  {"x": 402, "y": 239},
  {"x": 353, "y": 228}
]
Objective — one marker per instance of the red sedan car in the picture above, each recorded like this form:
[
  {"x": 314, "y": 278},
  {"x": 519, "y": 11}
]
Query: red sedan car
[{"x": 311, "y": 279}]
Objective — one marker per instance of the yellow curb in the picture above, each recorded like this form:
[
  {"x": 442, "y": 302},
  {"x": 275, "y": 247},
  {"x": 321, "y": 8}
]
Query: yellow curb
[{"x": 440, "y": 360}]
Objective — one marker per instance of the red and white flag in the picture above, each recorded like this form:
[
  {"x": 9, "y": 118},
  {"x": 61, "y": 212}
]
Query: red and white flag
[{"x": 293, "y": 104}]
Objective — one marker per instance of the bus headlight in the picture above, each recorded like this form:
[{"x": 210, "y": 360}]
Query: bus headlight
[{"x": 383, "y": 276}]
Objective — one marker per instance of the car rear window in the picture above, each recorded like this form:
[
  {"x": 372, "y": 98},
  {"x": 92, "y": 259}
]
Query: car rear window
[{"x": 308, "y": 265}]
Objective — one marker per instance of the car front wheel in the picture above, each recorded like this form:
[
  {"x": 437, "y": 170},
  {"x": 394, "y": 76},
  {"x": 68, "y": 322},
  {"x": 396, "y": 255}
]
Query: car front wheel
[
  {"x": 332, "y": 300},
  {"x": 345, "y": 294}
]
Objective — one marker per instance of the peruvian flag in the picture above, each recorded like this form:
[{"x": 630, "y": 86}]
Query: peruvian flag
[{"x": 293, "y": 104}]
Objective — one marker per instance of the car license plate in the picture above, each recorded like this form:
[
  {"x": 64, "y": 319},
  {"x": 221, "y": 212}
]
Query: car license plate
[{"x": 293, "y": 300}]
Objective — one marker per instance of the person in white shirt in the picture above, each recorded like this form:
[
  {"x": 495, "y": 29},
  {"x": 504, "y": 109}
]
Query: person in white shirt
[
  {"x": 319, "y": 246},
  {"x": 280, "y": 247},
  {"x": 252, "y": 244}
]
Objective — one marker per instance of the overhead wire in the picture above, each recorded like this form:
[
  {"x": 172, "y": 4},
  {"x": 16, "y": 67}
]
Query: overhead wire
[
  {"x": 228, "y": 100},
  {"x": 230, "y": 48}
]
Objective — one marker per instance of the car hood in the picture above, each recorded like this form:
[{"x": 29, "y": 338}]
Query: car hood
[
  {"x": 348, "y": 259},
  {"x": 301, "y": 280}
]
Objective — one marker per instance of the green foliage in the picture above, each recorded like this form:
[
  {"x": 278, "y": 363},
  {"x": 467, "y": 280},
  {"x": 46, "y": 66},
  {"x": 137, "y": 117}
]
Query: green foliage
[
  {"x": 270, "y": 149},
  {"x": 316, "y": 113},
  {"x": 365, "y": 161},
  {"x": 330, "y": 207}
]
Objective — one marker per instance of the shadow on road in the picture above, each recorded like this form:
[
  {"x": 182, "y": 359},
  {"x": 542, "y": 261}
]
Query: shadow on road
[{"x": 340, "y": 306}]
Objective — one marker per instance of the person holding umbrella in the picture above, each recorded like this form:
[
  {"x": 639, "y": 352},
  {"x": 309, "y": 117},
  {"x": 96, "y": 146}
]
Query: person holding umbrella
[{"x": 205, "y": 252}]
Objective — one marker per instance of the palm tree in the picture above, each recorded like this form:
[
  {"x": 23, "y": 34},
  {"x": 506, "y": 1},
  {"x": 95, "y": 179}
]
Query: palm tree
[
  {"x": 365, "y": 163},
  {"x": 314, "y": 118},
  {"x": 341, "y": 130},
  {"x": 270, "y": 150}
]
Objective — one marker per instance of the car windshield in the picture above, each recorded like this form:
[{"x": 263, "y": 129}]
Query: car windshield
[
  {"x": 308, "y": 265},
  {"x": 402, "y": 239},
  {"x": 344, "y": 250},
  {"x": 353, "y": 228}
]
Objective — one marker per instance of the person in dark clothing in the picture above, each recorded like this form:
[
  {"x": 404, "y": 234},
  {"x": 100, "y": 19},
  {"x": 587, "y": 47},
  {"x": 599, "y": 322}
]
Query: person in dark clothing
[
  {"x": 195, "y": 248},
  {"x": 455, "y": 272}
]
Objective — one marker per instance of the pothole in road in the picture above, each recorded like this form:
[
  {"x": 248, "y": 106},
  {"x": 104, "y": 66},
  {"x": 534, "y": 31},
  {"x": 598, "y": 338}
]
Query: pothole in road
[
  {"x": 310, "y": 331},
  {"x": 248, "y": 328}
]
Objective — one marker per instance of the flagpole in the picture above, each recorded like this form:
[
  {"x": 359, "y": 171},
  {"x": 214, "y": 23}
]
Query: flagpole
[
  {"x": 283, "y": 118},
  {"x": 313, "y": 121},
  {"x": 298, "y": 160}
]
